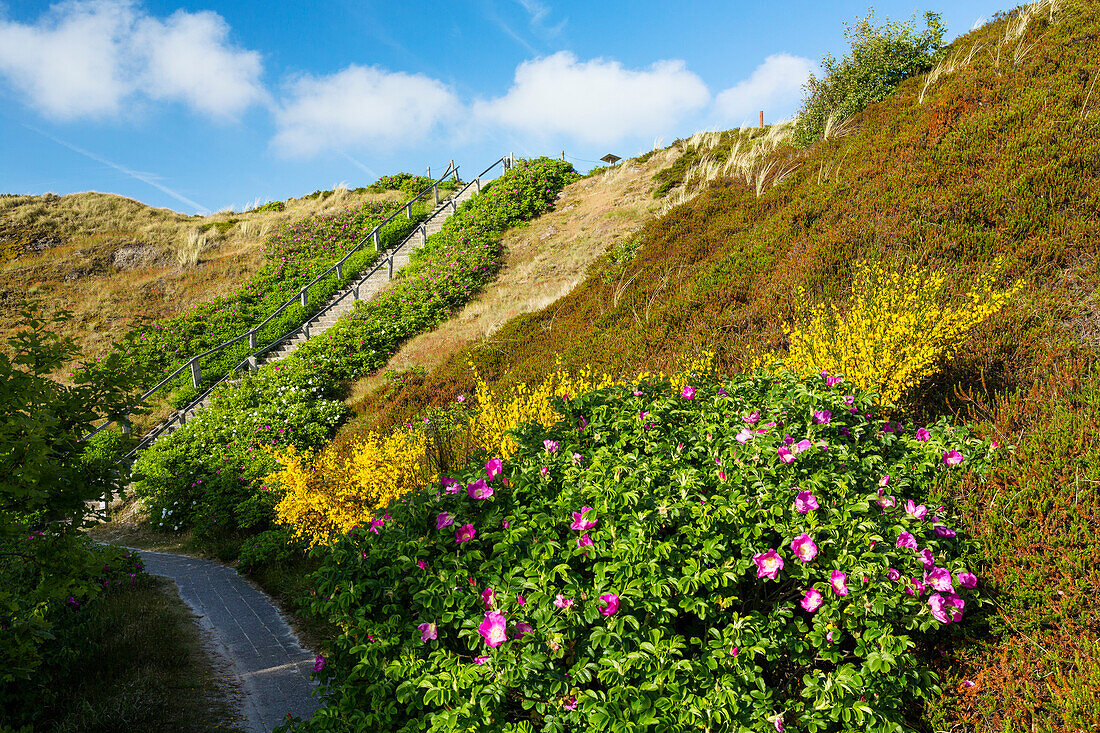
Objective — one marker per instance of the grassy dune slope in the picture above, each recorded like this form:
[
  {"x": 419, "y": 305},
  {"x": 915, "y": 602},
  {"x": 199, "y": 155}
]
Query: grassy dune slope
[
  {"x": 991, "y": 163},
  {"x": 111, "y": 259}
]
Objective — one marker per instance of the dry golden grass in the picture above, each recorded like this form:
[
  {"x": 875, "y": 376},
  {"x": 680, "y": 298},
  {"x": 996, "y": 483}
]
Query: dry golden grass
[
  {"x": 112, "y": 260},
  {"x": 543, "y": 261}
]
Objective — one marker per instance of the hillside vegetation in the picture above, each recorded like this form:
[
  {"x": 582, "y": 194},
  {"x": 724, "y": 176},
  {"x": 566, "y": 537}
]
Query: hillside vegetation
[
  {"x": 115, "y": 262},
  {"x": 983, "y": 167}
]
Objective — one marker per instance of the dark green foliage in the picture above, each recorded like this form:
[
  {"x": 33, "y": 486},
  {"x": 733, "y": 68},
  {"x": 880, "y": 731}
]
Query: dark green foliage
[
  {"x": 269, "y": 206},
  {"x": 682, "y": 492},
  {"x": 881, "y": 57}
]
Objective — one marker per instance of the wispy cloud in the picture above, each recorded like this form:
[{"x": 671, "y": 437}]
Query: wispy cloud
[
  {"x": 494, "y": 17},
  {"x": 143, "y": 177},
  {"x": 537, "y": 13}
]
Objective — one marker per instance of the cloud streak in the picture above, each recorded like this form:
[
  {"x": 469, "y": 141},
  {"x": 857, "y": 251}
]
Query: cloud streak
[{"x": 144, "y": 178}]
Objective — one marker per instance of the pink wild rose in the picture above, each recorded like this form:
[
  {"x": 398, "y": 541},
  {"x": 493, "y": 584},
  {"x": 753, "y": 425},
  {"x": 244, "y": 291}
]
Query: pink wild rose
[
  {"x": 550, "y": 445},
  {"x": 916, "y": 511},
  {"x": 804, "y": 547},
  {"x": 939, "y": 579},
  {"x": 785, "y": 454},
  {"x": 812, "y": 600},
  {"x": 946, "y": 608},
  {"x": 926, "y": 559},
  {"x": 562, "y": 602},
  {"x": 688, "y": 393},
  {"x": 823, "y": 417},
  {"x": 839, "y": 581},
  {"x": 481, "y": 660},
  {"x": 906, "y": 539},
  {"x": 465, "y": 533},
  {"x": 427, "y": 631},
  {"x": 804, "y": 501},
  {"x": 893, "y": 574},
  {"x": 493, "y": 468},
  {"x": 584, "y": 541},
  {"x": 581, "y": 522},
  {"x": 768, "y": 564},
  {"x": 487, "y": 597},
  {"x": 967, "y": 580},
  {"x": 743, "y": 436},
  {"x": 443, "y": 519},
  {"x": 922, "y": 435},
  {"x": 318, "y": 663},
  {"x": 492, "y": 629},
  {"x": 479, "y": 489},
  {"x": 523, "y": 628},
  {"x": 952, "y": 457},
  {"x": 612, "y": 602},
  {"x": 802, "y": 445},
  {"x": 421, "y": 564}
]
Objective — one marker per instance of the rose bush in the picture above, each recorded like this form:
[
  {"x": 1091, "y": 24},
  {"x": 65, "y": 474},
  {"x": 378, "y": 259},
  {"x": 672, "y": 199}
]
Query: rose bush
[{"x": 750, "y": 554}]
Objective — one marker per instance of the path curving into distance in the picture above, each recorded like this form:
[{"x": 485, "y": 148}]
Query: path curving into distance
[{"x": 273, "y": 668}]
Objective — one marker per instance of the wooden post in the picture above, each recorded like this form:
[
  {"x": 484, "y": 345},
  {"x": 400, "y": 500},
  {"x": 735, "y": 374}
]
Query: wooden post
[
  {"x": 305, "y": 330},
  {"x": 375, "y": 236},
  {"x": 252, "y": 339},
  {"x": 563, "y": 156},
  {"x": 423, "y": 235},
  {"x": 356, "y": 291},
  {"x": 253, "y": 364},
  {"x": 454, "y": 171},
  {"x": 196, "y": 373},
  {"x": 478, "y": 182},
  {"x": 391, "y": 267},
  {"x": 408, "y": 211},
  {"x": 429, "y": 172},
  {"x": 761, "y": 119},
  {"x": 305, "y": 297},
  {"x": 339, "y": 271},
  {"x": 435, "y": 189}
]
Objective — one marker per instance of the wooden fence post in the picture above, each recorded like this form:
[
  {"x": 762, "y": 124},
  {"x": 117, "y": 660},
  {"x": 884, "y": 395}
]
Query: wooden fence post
[{"x": 196, "y": 373}]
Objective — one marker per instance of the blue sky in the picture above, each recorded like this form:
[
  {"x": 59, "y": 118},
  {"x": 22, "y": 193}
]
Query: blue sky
[{"x": 204, "y": 105}]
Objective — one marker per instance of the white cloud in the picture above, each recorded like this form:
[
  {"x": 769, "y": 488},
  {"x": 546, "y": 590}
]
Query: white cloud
[
  {"x": 360, "y": 106},
  {"x": 595, "y": 101},
  {"x": 189, "y": 58},
  {"x": 89, "y": 58},
  {"x": 775, "y": 86}
]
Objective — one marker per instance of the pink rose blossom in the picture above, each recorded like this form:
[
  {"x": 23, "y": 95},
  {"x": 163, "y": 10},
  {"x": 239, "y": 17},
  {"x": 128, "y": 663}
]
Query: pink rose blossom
[
  {"x": 802, "y": 445},
  {"x": 942, "y": 531},
  {"x": 768, "y": 564},
  {"x": 893, "y": 574},
  {"x": 581, "y": 522},
  {"x": 492, "y": 629},
  {"x": 916, "y": 511},
  {"x": 583, "y": 541},
  {"x": 804, "y": 547},
  {"x": 493, "y": 468},
  {"x": 569, "y": 703},
  {"x": 905, "y": 539},
  {"x": 427, "y": 631},
  {"x": 479, "y": 489},
  {"x": 939, "y": 579},
  {"x": 926, "y": 559},
  {"x": 523, "y": 628},
  {"x": 318, "y": 663},
  {"x": 922, "y": 435},
  {"x": 450, "y": 484},
  {"x": 562, "y": 602},
  {"x": 481, "y": 660},
  {"x": 544, "y": 470},
  {"x": 952, "y": 457},
  {"x": 822, "y": 417},
  {"x": 884, "y": 480},
  {"x": 785, "y": 454},
  {"x": 444, "y": 519},
  {"x": 487, "y": 597},
  {"x": 804, "y": 501},
  {"x": 505, "y": 523},
  {"x": 612, "y": 602},
  {"x": 918, "y": 586},
  {"x": 839, "y": 581},
  {"x": 521, "y": 600},
  {"x": 465, "y": 532},
  {"x": 946, "y": 608},
  {"x": 550, "y": 445},
  {"x": 812, "y": 600},
  {"x": 753, "y": 417},
  {"x": 688, "y": 393},
  {"x": 886, "y": 502},
  {"x": 743, "y": 436},
  {"x": 421, "y": 564},
  {"x": 967, "y": 580}
]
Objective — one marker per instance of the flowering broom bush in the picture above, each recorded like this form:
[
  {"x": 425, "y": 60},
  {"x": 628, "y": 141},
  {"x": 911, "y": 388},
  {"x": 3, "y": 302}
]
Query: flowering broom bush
[
  {"x": 895, "y": 329},
  {"x": 752, "y": 554}
]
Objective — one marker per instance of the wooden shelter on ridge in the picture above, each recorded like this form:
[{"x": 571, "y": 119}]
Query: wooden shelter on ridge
[{"x": 610, "y": 159}]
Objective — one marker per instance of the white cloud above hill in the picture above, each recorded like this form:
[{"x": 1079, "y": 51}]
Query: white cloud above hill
[
  {"x": 91, "y": 58},
  {"x": 360, "y": 106},
  {"x": 774, "y": 84},
  {"x": 596, "y": 101}
]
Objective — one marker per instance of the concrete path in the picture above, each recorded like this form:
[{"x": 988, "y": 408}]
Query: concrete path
[{"x": 273, "y": 668}]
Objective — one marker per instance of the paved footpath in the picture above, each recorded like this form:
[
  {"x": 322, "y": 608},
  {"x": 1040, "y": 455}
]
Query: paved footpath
[{"x": 273, "y": 667}]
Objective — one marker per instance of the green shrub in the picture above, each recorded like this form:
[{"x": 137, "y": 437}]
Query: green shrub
[
  {"x": 628, "y": 555},
  {"x": 881, "y": 57}
]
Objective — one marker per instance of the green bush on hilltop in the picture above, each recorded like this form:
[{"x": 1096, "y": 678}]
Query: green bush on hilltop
[{"x": 881, "y": 57}]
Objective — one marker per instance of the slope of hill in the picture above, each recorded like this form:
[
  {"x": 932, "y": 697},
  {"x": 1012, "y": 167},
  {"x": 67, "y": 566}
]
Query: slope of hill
[
  {"x": 986, "y": 164},
  {"x": 113, "y": 261}
]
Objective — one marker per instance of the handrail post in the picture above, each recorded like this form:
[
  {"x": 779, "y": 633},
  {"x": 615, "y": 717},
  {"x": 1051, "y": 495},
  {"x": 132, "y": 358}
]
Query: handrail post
[
  {"x": 478, "y": 182},
  {"x": 435, "y": 189},
  {"x": 305, "y": 297},
  {"x": 252, "y": 339},
  {"x": 339, "y": 271},
  {"x": 356, "y": 289},
  {"x": 423, "y": 235},
  {"x": 408, "y": 211},
  {"x": 454, "y": 171},
  {"x": 124, "y": 421},
  {"x": 196, "y": 373},
  {"x": 305, "y": 330},
  {"x": 374, "y": 235},
  {"x": 391, "y": 267}
]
